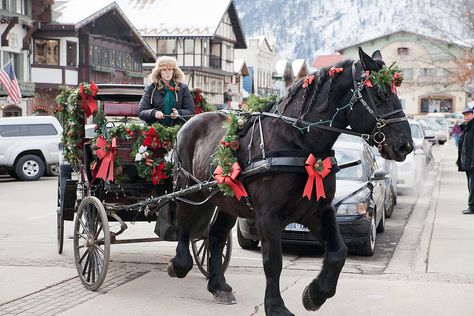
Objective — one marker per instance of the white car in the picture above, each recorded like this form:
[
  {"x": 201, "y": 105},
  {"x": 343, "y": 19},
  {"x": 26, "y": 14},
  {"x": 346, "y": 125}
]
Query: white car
[
  {"x": 29, "y": 145},
  {"x": 411, "y": 170}
]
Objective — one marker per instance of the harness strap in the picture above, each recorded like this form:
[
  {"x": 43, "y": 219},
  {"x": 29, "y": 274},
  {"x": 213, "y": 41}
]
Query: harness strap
[{"x": 309, "y": 125}]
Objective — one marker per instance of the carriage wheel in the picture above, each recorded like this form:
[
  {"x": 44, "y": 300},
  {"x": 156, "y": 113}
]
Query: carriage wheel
[
  {"x": 200, "y": 247},
  {"x": 59, "y": 223},
  {"x": 91, "y": 243}
]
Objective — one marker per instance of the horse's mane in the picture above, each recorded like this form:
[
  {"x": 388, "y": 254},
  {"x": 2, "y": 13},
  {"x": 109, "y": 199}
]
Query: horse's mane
[{"x": 317, "y": 88}]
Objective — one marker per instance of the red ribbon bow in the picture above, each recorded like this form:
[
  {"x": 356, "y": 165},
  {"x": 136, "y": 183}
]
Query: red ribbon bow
[
  {"x": 158, "y": 173},
  {"x": 395, "y": 82},
  {"x": 308, "y": 80},
  {"x": 335, "y": 70},
  {"x": 106, "y": 152},
  {"x": 230, "y": 180},
  {"x": 317, "y": 170},
  {"x": 88, "y": 103}
]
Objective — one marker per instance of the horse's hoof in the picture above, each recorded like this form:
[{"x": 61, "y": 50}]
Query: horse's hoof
[
  {"x": 308, "y": 301},
  {"x": 226, "y": 298},
  {"x": 170, "y": 270}
]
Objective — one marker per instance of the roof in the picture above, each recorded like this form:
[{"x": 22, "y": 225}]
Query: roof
[
  {"x": 322, "y": 61},
  {"x": 240, "y": 67},
  {"x": 170, "y": 18},
  {"x": 463, "y": 44},
  {"x": 79, "y": 13},
  {"x": 262, "y": 42},
  {"x": 296, "y": 65}
]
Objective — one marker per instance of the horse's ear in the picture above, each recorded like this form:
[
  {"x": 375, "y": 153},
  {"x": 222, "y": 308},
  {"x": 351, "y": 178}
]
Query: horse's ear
[
  {"x": 377, "y": 55},
  {"x": 367, "y": 62}
]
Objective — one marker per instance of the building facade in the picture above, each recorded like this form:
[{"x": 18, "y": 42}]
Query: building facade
[
  {"x": 260, "y": 57},
  {"x": 85, "y": 43},
  {"x": 18, "y": 20},
  {"x": 427, "y": 64},
  {"x": 201, "y": 35}
]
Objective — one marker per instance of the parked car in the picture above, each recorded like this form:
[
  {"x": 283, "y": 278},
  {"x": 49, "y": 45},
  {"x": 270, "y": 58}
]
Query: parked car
[
  {"x": 391, "y": 188},
  {"x": 411, "y": 170},
  {"x": 30, "y": 146},
  {"x": 359, "y": 204},
  {"x": 439, "y": 128}
]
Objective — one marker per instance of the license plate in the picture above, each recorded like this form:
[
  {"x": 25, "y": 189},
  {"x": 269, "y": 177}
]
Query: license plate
[{"x": 296, "y": 227}]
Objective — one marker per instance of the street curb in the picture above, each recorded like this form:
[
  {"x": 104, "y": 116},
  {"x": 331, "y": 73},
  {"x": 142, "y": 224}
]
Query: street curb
[{"x": 421, "y": 259}]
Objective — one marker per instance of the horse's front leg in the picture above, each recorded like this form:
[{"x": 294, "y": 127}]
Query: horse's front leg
[
  {"x": 182, "y": 263},
  {"x": 269, "y": 227},
  {"x": 217, "y": 284},
  {"x": 324, "y": 286}
]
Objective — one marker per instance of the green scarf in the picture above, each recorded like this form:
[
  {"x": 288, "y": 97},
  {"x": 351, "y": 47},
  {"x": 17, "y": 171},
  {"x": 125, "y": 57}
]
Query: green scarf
[{"x": 169, "y": 102}]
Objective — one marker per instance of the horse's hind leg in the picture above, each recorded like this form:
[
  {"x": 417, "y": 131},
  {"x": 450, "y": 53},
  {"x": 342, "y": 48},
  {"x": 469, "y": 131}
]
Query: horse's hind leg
[
  {"x": 217, "y": 284},
  {"x": 324, "y": 286},
  {"x": 270, "y": 233}
]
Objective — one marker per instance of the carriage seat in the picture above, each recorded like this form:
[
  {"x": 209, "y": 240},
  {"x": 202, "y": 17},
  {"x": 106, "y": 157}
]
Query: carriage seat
[{"x": 127, "y": 109}]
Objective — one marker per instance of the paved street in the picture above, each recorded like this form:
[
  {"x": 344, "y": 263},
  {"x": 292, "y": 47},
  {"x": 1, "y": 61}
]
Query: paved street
[{"x": 422, "y": 263}]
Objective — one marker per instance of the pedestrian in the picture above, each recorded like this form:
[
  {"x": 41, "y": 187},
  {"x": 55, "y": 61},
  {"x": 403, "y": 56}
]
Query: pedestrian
[
  {"x": 227, "y": 99},
  {"x": 456, "y": 132},
  {"x": 166, "y": 97},
  {"x": 465, "y": 159}
]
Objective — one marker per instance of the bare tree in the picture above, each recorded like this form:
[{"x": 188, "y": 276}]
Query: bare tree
[{"x": 460, "y": 14}]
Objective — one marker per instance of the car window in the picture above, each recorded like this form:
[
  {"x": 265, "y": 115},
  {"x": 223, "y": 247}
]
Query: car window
[
  {"x": 416, "y": 131},
  {"x": 27, "y": 130},
  {"x": 352, "y": 173}
]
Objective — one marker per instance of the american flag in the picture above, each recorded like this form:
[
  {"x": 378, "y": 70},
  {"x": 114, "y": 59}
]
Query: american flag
[{"x": 8, "y": 79}]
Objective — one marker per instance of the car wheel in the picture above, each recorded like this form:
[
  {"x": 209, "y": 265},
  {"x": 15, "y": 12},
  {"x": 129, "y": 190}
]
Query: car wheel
[
  {"x": 54, "y": 170},
  {"x": 29, "y": 168},
  {"x": 381, "y": 226},
  {"x": 245, "y": 243},
  {"x": 390, "y": 204},
  {"x": 367, "y": 248}
]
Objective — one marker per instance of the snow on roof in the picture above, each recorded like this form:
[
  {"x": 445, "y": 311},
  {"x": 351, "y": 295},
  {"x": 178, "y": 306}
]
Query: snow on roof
[
  {"x": 238, "y": 64},
  {"x": 297, "y": 64},
  {"x": 175, "y": 18},
  {"x": 151, "y": 17},
  {"x": 75, "y": 11}
]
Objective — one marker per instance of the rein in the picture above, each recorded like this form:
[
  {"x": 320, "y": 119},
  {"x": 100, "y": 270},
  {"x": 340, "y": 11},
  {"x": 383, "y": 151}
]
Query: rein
[{"x": 377, "y": 136}]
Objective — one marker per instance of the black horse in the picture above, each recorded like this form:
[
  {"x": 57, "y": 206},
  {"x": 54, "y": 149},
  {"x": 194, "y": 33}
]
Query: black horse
[{"x": 295, "y": 125}]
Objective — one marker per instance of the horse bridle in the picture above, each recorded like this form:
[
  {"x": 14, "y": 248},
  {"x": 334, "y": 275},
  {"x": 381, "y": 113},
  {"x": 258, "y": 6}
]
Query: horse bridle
[{"x": 381, "y": 119}]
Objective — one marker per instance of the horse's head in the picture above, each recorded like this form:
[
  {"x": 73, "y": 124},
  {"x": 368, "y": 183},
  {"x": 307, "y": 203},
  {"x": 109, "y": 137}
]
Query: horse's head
[{"x": 377, "y": 110}]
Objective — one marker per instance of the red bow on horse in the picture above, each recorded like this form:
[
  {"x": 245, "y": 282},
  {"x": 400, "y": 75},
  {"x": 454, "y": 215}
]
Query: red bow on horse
[
  {"x": 230, "y": 180},
  {"x": 317, "y": 170}
]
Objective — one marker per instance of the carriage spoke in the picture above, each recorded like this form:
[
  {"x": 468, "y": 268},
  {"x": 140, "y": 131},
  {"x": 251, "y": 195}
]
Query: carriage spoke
[
  {"x": 200, "y": 248},
  {"x": 86, "y": 264},
  {"x": 83, "y": 255},
  {"x": 84, "y": 227},
  {"x": 98, "y": 231}
]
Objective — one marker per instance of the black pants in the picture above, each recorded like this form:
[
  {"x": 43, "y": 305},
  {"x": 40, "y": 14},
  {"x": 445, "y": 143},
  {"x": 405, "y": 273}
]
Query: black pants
[{"x": 470, "y": 187}]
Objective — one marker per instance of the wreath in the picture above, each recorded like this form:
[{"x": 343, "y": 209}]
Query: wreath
[
  {"x": 386, "y": 77},
  {"x": 146, "y": 147},
  {"x": 200, "y": 101}
]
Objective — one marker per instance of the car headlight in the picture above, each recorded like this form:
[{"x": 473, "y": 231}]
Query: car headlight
[{"x": 355, "y": 204}]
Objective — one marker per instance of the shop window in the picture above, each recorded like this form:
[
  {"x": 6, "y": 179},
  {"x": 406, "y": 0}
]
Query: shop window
[
  {"x": 46, "y": 52},
  {"x": 71, "y": 54}
]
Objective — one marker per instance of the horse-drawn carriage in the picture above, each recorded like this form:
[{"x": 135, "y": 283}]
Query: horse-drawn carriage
[
  {"x": 287, "y": 175},
  {"x": 100, "y": 182}
]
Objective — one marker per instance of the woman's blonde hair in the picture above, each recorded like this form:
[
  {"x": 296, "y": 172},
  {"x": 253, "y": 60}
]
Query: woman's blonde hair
[{"x": 165, "y": 62}]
